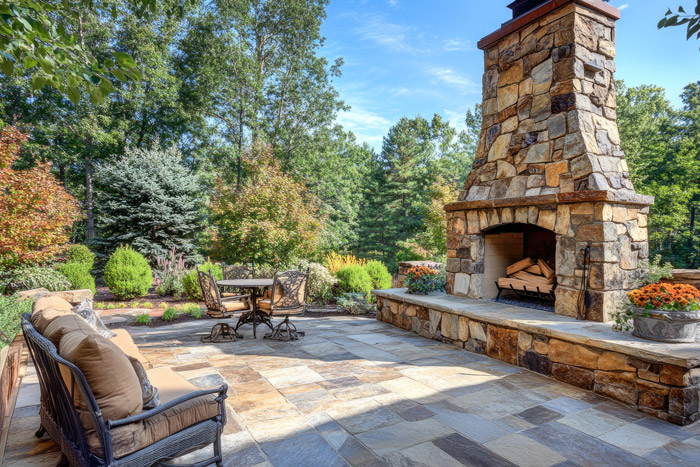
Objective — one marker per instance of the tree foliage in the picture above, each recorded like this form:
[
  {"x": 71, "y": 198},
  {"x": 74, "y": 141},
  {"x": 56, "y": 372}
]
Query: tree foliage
[
  {"x": 269, "y": 218},
  {"x": 36, "y": 212},
  {"x": 149, "y": 200},
  {"x": 420, "y": 162},
  {"x": 680, "y": 18},
  {"x": 661, "y": 145},
  {"x": 46, "y": 41}
]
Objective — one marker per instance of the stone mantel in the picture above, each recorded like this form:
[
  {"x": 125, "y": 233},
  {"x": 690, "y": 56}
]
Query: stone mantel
[
  {"x": 559, "y": 198},
  {"x": 589, "y": 333}
]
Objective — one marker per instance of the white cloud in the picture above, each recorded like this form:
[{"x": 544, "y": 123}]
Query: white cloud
[
  {"x": 451, "y": 77},
  {"x": 624, "y": 6},
  {"x": 392, "y": 36},
  {"x": 402, "y": 92},
  {"x": 456, "y": 119},
  {"x": 393, "y": 3},
  {"x": 368, "y": 127},
  {"x": 457, "y": 44}
]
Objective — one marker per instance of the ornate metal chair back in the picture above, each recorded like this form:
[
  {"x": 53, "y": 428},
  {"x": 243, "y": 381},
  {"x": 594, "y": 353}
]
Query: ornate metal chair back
[
  {"x": 232, "y": 272},
  {"x": 289, "y": 290},
  {"x": 210, "y": 291}
]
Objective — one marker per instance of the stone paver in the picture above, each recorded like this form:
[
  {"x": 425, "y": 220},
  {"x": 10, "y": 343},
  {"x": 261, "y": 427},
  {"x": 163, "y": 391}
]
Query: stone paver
[{"x": 362, "y": 393}]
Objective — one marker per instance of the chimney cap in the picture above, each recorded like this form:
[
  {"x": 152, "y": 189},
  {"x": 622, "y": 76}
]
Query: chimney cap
[{"x": 520, "y": 7}]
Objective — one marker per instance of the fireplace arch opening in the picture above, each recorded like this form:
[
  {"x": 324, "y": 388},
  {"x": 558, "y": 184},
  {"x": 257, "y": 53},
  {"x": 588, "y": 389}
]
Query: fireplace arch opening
[{"x": 511, "y": 244}]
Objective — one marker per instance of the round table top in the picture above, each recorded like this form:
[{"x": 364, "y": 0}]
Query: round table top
[{"x": 245, "y": 283}]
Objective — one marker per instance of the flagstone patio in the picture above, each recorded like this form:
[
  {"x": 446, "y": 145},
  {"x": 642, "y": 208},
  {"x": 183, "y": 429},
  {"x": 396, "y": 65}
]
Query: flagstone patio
[{"x": 360, "y": 392}]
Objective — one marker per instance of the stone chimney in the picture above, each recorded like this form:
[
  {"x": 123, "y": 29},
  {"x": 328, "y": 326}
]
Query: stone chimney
[{"x": 549, "y": 158}]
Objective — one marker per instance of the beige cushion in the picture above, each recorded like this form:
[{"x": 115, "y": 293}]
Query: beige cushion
[
  {"x": 234, "y": 304},
  {"x": 125, "y": 342},
  {"x": 41, "y": 319},
  {"x": 169, "y": 383},
  {"x": 264, "y": 306},
  {"x": 57, "y": 303},
  {"x": 62, "y": 325},
  {"x": 136, "y": 436},
  {"x": 109, "y": 374}
]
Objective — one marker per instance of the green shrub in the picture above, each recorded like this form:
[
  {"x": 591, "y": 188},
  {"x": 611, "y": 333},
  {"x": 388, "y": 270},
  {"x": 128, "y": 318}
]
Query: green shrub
[
  {"x": 169, "y": 314},
  {"x": 147, "y": 305},
  {"x": 381, "y": 279},
  {"x": 78, "y": 274},
  {"x": 99, "y": 305},
  {"x": 191, "y": 284},
  {"x": 11, "y": 311},
  {"x": 321, "y": 281},
  {"x": 34, "y": 277},
  {"x": 143, "y": 319},
  {"x": 191, "y": 309},
  {"x": 80, "y": 254},
  {"x": 127, "y": 274},
  {"x": 353, "y": 279}
]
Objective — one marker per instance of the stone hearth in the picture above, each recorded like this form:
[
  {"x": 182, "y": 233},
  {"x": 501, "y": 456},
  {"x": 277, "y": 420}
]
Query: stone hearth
[{"x": 549, "y": 156}]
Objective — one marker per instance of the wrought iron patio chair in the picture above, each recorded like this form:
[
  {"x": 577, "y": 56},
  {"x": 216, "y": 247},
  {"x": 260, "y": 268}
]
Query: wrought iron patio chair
[
  {"x": 288, "y": 293},
  {"x": 232, "y": 272},
  {"x": 61, "y": 420},
  {"x": 218, "y": 307}
]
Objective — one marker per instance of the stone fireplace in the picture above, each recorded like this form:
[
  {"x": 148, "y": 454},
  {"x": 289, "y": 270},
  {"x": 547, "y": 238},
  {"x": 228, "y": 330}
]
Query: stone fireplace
[{"x": 549, "y": 178}]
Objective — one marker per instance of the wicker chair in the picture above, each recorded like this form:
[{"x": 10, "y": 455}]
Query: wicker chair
[
  {"x": 61, "y": 420},
  {"x": 232, "y": 272},
  {"x": 218, "y": 307},
  {"x": 288, "y": 294}
]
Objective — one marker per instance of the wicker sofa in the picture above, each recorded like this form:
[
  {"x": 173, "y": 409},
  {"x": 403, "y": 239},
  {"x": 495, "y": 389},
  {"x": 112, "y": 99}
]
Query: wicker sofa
[{"x": 91, "y": 396}]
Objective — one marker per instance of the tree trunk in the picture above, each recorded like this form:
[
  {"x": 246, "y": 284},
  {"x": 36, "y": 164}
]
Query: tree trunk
[{"x": 90, "y": 226}]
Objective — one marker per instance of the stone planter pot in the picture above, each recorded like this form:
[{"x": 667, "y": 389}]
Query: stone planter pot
[{"x": 666, "y": 326}]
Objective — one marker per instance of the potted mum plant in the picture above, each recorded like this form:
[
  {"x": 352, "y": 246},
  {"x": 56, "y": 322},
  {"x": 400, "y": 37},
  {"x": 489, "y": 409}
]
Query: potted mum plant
[
  {"x": 665, "y": 312},
  {"x": 422, "y": 280}
]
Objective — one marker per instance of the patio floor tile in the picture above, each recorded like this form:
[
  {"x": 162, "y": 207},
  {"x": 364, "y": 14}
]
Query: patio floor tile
[
  {"x": 592, "y": 422},
  {"x": 358, "y": 392},
  {"x": 636, "y": 439},
  {"x": 524, "y": 451}
]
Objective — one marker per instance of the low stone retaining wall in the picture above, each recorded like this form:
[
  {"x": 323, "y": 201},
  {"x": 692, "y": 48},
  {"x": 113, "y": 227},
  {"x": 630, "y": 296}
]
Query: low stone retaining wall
[{"x": 669, "y": 391}]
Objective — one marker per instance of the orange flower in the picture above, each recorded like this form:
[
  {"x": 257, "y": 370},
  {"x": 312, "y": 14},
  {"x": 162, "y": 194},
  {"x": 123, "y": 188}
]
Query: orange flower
[{"x": 676, "y": 295}]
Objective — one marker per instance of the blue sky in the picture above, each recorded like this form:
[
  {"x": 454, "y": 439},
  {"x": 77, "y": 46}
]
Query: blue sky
[{"x": 410, "y": 57}]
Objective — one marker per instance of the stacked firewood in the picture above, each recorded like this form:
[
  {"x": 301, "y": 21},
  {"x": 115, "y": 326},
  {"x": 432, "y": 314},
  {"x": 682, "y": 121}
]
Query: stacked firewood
[{"x": 530, "y": 275}]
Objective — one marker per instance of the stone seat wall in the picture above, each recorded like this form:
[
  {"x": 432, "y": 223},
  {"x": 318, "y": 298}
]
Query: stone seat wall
[{"x": 665, "y": 387}]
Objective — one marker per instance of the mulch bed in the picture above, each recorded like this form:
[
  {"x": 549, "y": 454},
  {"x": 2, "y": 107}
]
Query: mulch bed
[
  {"x": 102, "y": 294},
  {"x": 155, "y": 322}
]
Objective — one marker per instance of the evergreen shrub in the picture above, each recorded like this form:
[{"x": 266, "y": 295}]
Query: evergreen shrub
[
  {"x": 80, "y": 254},
  {"x": 381, "y": 279},
  {"x": 353, "y": 279},
  {"x": 78, "y": 275},
  {"x": 190, "y": 282},
  {"x": 127, "y": 274}
]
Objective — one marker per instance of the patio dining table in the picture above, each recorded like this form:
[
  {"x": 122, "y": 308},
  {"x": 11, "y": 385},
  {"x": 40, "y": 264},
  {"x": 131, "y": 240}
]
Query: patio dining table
[{"x": 253, "y": 285}]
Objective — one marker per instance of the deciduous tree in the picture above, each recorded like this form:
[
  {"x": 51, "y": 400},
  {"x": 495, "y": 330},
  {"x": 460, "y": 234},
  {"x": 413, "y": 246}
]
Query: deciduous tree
[
  {"x": 268, "y": 218},
  {"x": 36, "y": 212}
]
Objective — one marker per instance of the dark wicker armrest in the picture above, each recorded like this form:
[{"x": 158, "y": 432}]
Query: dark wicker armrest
[{"x": 162, "y": 408}]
